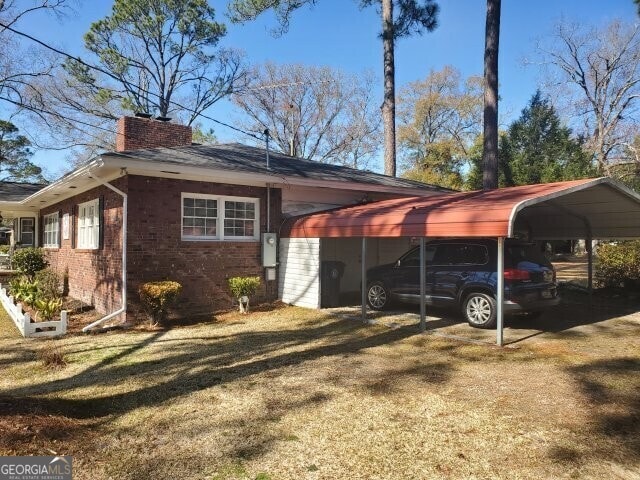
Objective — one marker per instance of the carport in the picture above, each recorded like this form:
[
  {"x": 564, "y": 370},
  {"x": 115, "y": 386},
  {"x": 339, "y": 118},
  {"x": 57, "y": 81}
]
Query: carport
[{"x": 582, "y": 209}]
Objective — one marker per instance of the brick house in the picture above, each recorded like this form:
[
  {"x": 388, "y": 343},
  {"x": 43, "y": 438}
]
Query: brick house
[{"x": 196, "y": 214}]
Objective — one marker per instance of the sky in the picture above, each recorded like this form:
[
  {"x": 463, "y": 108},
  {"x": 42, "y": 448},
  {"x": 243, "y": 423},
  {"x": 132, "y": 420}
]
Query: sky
[{"x": 339, "y": 34}]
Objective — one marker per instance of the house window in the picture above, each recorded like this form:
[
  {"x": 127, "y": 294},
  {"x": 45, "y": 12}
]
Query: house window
[
  {"x": 210, "y": 217},
  {"x": 239, "y": 219},
  {"x": 51, "y": 230},
  {"x": 199, "y": 218},
  {"x": 27, "y": 232},
  {"x": 88, "y": 225}
]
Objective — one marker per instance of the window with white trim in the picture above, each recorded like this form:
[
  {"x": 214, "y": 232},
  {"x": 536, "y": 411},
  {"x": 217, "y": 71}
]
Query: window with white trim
[
  {"x": 51, "y": 230},
  {"x": 239, "y": 219},
  {"x": 213, "y": 217},
  {"x": 89, "y": 224}
]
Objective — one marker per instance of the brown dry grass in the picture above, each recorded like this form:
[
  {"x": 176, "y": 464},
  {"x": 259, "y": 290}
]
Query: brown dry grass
[{"x": 290, "y": 393}]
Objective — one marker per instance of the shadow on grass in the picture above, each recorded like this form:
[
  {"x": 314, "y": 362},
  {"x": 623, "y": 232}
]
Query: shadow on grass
[
  {"x": 190, "y": 366},
  {"x": 14, "y": 355},
  {"x": 612, "y": 388}
]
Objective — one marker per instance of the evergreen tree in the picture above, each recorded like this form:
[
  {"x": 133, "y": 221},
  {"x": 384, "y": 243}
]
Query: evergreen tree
[
  {"x": 537, "y": 148},
  {"x": 15, "y": 154},
  {"x": 491, "y": 46}
]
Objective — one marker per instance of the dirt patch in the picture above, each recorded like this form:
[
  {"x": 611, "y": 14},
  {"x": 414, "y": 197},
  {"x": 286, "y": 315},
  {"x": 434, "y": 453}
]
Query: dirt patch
[{"x": 28, "y": 429}]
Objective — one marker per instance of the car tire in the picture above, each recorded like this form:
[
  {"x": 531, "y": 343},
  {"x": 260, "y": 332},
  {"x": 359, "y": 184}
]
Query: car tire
[
  {"x": 479, "y": 309},
  {"x": 378, "y": 296}
]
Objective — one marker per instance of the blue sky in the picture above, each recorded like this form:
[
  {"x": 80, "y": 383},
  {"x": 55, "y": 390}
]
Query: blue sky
[{"x": 339, "y": 34}]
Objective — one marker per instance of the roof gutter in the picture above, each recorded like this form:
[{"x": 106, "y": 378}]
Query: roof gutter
[
  {"x": 123, "y": 309},
  {"x": 72, "y": 176}
]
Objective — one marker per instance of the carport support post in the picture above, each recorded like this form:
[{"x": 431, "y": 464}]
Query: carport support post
[
  {"x": 589, "y": 246},
  {"x": 363, "y": 273},
  {"x": 500, "y": 293},
  {"x": 423, "y": 273}
]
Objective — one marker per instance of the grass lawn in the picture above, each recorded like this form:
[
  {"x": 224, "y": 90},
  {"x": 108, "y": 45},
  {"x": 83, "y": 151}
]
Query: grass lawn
[{"x": 299, "y": 394}]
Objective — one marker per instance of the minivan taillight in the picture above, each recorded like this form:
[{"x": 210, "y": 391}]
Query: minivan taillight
[{"x": 515, "y": 274}]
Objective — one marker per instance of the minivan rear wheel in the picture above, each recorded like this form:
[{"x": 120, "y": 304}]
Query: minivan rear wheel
[
  {"x": 480, "y": 310},
  {"x": 377, "y": 296}
]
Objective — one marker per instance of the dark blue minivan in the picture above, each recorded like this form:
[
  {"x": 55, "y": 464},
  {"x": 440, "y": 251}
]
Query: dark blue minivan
[{"x": 462, "y": 273}]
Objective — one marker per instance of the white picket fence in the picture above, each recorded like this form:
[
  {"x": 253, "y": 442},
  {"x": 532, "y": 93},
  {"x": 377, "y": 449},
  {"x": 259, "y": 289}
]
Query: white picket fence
[{"x": 23, "y": 321}]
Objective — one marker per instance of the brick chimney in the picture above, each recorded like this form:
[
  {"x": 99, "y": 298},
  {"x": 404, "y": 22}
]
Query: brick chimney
[{"x": 136, "y": 132}]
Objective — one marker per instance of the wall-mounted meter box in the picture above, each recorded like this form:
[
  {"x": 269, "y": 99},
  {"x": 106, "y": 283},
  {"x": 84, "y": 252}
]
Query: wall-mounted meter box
[{"x": 269, "y": 250}]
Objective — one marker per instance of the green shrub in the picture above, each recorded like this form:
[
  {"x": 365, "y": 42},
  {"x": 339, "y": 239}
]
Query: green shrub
[
  {"x": 24, "y": 290},
  {"x": 243, "y": 287},
  {"x": 4, "y": 249},
  {"x": 49, "y": 284},
  {"x": 618, "y": 265},
  {"x": 158, "y": 297},
  {"x": 48, "y": 308},
  {"x": 29, "y": 261}
]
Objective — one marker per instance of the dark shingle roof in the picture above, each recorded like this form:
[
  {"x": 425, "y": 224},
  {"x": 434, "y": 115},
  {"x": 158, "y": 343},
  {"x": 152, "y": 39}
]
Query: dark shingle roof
[
  {"x": 243, "y": 158},
  {"x": 16, "y": 191}
]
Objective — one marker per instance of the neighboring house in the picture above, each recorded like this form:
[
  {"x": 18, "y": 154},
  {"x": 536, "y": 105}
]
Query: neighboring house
[
  {"x": 24, "y": 218},
  {"x": 195, "y": 214}
]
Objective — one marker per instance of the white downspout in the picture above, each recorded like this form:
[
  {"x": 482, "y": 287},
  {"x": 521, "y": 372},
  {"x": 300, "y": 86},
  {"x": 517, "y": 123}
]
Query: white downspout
[{"x": 122, "y": 309}]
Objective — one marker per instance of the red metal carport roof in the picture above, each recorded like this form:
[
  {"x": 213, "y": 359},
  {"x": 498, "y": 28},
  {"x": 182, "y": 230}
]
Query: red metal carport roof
[{"x": 560, "y": 210}]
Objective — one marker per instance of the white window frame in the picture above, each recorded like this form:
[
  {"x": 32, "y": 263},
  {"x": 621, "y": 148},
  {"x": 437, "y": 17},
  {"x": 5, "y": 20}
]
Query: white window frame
[
  {"x": 88, "y": 228},
  {"x": 220, "y": 218},
  {"x": 51, "y": 225}
]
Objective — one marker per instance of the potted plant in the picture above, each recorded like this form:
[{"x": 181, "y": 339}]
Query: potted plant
[{"x": 242, "y": 288}]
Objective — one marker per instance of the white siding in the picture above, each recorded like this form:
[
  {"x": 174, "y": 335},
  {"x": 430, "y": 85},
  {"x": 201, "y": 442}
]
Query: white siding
[
  {"x": 297, "y": 200},
  {"x": 299, "y": 282}
]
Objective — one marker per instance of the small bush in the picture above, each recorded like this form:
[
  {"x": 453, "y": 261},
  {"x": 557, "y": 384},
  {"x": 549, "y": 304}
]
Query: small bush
[
  {"x": 24, "y": 290},
  {"x": 48, "y": 308},
  {"x": 52, "y": 357},
  {"x": 157, "y": 297},
  {"x": 29, "y": 261},
  {"x": 4, "y": 249},
  {"x": 49, "y": 284},
  {"x": 618, "y": 265},
  {"x": 243, "y": 287}
]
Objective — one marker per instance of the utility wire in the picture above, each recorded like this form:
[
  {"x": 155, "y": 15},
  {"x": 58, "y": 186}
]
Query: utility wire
[{"x": 112, "y": 76}]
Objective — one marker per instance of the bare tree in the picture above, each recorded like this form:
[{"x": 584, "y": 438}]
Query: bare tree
[
  {"x": 598, "y": 73},
  {"x": 314, "y": 112},
  {"x": 20, "y": 67},
  {"x": 412, "y": 17},
  {"x": 490, "y": 138},
  {"x": 160, "y": 57}
]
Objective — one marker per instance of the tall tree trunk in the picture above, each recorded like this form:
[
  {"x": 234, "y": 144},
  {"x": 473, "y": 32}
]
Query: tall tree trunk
[
  {"x": 490, "y": 146},
  {"x": 389, "y": 103}
]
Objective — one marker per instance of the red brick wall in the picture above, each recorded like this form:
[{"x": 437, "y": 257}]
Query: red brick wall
[
  {"x": 94, "y": 275},
  {"x": 135, "y": 132},
  {"x": 157, "y": 252}
]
